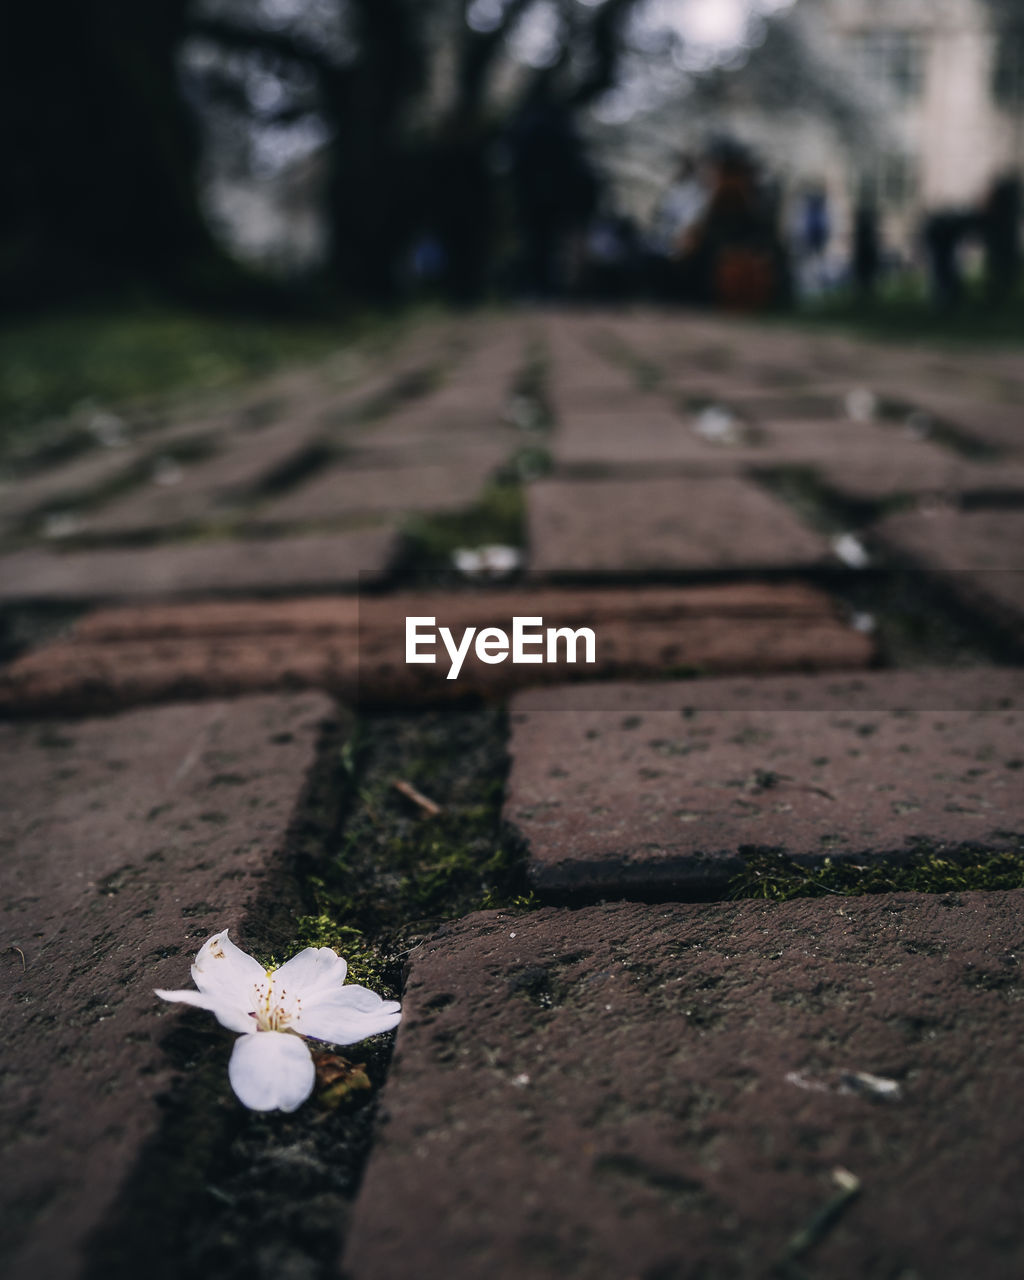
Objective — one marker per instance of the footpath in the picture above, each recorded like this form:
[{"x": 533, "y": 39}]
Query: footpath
[{"x": 709, "y": 951}]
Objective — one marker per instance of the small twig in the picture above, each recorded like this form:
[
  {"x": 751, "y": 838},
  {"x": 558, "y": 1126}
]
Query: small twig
[
  {"x": 821, "y": 1222},
  {"x": 21, "y": 953},
  {"x": 417, "y": 797}
]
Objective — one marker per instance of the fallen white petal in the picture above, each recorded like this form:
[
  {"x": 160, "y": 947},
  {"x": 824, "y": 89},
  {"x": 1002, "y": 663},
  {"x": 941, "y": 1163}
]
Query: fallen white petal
[
  {"x": 271, "y": 1071},
  {"x": 228, "y": 1013},
  {"x": 224, "y": 970},
  {"x": 346, "y": 1015},
  {"x": 314, "y": 969}
]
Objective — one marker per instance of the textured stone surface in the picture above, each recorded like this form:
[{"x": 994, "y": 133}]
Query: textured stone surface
[
  {"x": 663, "y": 524},
  {"x": 205, "y": 489},
  {"x": 63, "y": 488},
  {"x": 196, "y": 568},
  {"x": 357, "y": 648},
  {"x": 880, "y": 475},
  {"x": 989, "y": 420},
  {"x": 127, "y": 842},
  {"x": 663, "y": 789},
  {"x": 344, "y": 491},
  {"x": 977, "y": 555},
  {"x": 665, "y": 1091}
]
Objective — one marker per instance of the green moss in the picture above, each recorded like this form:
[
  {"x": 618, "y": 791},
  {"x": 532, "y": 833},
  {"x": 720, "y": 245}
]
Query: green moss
[
  {"x": 395, "y": 873},
  {"x": 53, "y": 364},
  {"x": 776, "y": 878},
  {"x": 498, "y": 516}
]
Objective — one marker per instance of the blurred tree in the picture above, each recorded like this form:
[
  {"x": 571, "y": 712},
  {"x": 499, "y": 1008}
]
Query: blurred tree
[
  {"x": 414, "y": 95},
  {"x": 98, "y": 152}
]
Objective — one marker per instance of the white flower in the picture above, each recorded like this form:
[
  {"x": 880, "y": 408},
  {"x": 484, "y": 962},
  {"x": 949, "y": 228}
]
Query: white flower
[{"x": 270, "y": 1065}]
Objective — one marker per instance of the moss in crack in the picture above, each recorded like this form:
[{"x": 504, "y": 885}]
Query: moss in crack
[
  {"x": 778, "y": 878},
  {"x": 498, "y": 517},
  {"x": 397, "y": 872}
]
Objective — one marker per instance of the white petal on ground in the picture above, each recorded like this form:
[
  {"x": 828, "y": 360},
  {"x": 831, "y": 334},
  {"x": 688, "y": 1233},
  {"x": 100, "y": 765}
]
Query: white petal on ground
[
  {"x": 228, "y": 1013},
  {"x": 271, "y": 1071},
  {"x": 312, "y": 970},
  {"x": 346, "y": 1015},
  {"x": 224, "y": 970}
]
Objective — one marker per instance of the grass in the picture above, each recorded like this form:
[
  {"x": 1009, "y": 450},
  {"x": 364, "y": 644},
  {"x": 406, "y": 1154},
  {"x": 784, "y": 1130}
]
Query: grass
[
  {"x": 776, "y": 878},
  {"x": 497, "y": 517},
  {"x": 395, "y": 872},
  {"x": 51, "y": 365},
  {"x": 903, "y": 312}
]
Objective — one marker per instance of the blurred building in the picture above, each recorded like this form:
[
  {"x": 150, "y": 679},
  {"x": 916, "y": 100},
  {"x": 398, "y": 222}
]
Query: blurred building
[{"x": 948, "y": 77}]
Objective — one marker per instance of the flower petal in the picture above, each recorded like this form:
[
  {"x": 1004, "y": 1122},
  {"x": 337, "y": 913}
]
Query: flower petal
[
  {"x": 271, "y": 1071},
  {"x": 314, "y": 969},
  {"x": 346, "y": 1015},
  {"x": 227, "y": 1014},
  {"x": 224, "y": 970}
]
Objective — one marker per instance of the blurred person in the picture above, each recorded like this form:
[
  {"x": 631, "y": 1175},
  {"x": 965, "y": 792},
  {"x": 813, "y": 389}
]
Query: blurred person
[
  {"x": 999, "y": 224},
  {"x": 611, "y": 255},
  {"x": 680, "y": 210},
  {"x": 811, "y": 233},
  {"x": 867, "y": 246},
  {"x": 943, "y": 235},
  {"x": 554, "y": 188},
  {"x": 459, "y": 194},
  {"x": 738, "y": 261}
]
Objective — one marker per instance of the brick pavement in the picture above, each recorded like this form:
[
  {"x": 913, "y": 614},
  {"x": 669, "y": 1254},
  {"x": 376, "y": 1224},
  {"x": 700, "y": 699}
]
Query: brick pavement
[
  {"x": 198, "y": 568},
  {"x": 666, "y": 1091},
  {"x": 356, "y": 648},
  {"x": 663, "y": 524},
  {"x": 127, "y": 841},
  {"x": 662, "y": 789},
  {"x": 663, "y": 1089}
]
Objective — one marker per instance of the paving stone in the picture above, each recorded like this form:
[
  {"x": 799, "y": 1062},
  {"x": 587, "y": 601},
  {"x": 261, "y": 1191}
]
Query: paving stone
[
  {"x": 716, "y": 522},
  {"x": 666, "y": 1091},
  {"x": 205, "y": 488},
  {"x": 285, "y": 564},
  {"x": 686, "y": 441},
  {"x": 356, "y": 647},
  {"x": 875, "y": 476},
  {"x": 64, "y": 487},
  {"x": 663, "y": 788},
  {"x": 998, "y": 424},
  {"x": 630, "y": 430},
  {"x": 978, "y": 555},
  {"x": 127, "y": 841},
  {"x": 343, "y": 491}
]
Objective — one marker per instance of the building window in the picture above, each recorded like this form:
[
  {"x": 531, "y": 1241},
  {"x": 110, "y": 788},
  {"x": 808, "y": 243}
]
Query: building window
[
  {"x": 896, "y": 180},
  {"x": 891, "y": 60},
  {"x": 1008, "y": 69}
]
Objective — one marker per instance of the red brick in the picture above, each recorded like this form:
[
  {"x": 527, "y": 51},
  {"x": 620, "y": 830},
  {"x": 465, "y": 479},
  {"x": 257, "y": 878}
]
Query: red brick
[
  {"x": 665, "y": 1091},
  {"x": 127, "y": 842},
  {"x": 661, "y": 789},
  {"x": 357, "y": 648},
  {"x": 615, "y": 526},
  {"x": 196, "y": 569}
]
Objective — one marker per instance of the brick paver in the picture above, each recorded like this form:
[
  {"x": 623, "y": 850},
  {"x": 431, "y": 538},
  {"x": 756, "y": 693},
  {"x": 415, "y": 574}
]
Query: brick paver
[
  {"x": 344, "y": 491},
  {"x": 128, "y": 656},
  {"x": 977, "y": 555},
  {"x": 1000, "y": 424},
  {"x": 199, "y": 568},
  {"x": 64, "y": 487},
  {"x": 662, "y": 524},
  {"x": 127, "y": 841},
  {"x": 663, "y": 788},
  {"x": 665, "y": 1091},
  {"x": 880, "y": 475},
  {"x": 205, "y": 489}
]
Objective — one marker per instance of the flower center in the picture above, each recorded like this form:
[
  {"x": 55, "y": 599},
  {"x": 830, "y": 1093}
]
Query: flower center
[{"x": 274, "y": 1009}]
